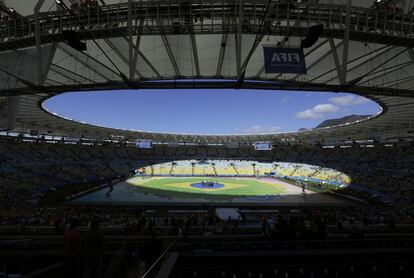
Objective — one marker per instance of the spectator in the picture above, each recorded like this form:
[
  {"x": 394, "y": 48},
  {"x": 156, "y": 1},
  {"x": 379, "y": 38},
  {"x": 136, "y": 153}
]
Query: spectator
[
  {"x": 72, "y": 241},
  {"x": 152, "y": 249},
  {"x": 93, "y": 251}
]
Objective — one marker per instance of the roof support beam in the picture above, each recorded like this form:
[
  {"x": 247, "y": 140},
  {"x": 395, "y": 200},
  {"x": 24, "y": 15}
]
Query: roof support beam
[
  {"x": 70, "y": 72},
  {"x": 224, "y": 38},
  {"x": 119, "y": 73},
  {"x": 48, "y": 63},
  {"x": 170, "y": 54},
  {"x": 120, "y": 55},
  {"x": 411, "y": 53},
  {"x": 358, "y": 79},
  {"x": 130, "y": 45},
  {"x": 50, "y": 80},
  {"x": 239, "y": 39},
  {"x": 149, "y": 64},
  {"x": 38, "y": 42},
  {"x": 64, "y": 75},
  {"x": 399, "y": 81},
  {"x": 264, "y": 28},
  {"x": 195, "y": 52},
  {"x": 255, "y": 45},
  {"x": 385, "y": 72},
  {"x": 137, "y": 52},
  {"x": 238, "y": 53},
  {"x": 285, "y": 40},
  {"x": 346, "y": 42},
  {"x": 136, "y": 46},
  {"x": 319, "y": 60},
  {"x": 381, "y": 50},
  {"x": 84, "y": 63},
  {"x": 189, "y": 22},
  {"x": 336, "y": 60},
  {"x": 221, "y": 54}
]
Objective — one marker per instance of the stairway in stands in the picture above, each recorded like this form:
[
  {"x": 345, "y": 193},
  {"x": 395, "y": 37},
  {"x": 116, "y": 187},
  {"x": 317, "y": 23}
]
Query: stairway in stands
[
  {"x": 314, "y": 173},
  {"x": 275, "y": 168},
  {"x": 214, "y": 168},
  {"x": 235, "y": 169},
  {"x": 172, "y": 169},
  {"x": 295, "y": 168}
]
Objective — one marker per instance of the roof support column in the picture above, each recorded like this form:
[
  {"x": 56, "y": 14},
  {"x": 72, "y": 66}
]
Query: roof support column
[
  {"x": 221, "y": 54},
  {"x": 190, "y": 24},
  {"x": 137, "y": 43},
  {"x": 130, "y": 44},
  {"x": 239, "y": 39},
  {"x": 38, "y": 42},
  {"x": 346, "y": 42},
  {"x": 195, "y": 54},
  {"x": 411, "y": 53},
  {"x": 48, "y": 63},
  {"x": 171, "y": 55},
  {"x": 336, "y": 60}
]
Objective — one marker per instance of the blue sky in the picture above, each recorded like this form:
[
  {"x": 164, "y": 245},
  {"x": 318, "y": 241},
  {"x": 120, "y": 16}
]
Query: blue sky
[{"x": 208, "y": 111}]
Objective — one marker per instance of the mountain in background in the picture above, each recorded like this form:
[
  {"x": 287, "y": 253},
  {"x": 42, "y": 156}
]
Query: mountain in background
[{"x": 343, "y": 120}]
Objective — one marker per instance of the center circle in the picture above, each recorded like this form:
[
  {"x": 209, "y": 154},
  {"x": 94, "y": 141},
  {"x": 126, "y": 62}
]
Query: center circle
[{"x": 207, "y": 185}]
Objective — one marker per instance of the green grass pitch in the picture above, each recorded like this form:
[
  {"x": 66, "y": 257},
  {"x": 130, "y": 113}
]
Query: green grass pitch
[{"x": 180, "y": 187}]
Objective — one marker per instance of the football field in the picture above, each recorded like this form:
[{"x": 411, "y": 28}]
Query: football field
[
  {"x": 163, "y": 190},
  {"x": 231, "y": 187}
]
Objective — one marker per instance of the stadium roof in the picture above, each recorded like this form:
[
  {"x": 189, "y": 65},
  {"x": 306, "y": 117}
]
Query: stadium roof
[{"x": 205, "y": 44}]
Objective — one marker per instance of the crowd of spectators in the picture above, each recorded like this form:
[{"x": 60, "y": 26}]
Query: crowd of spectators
[
  {"x": 86, "y": 231},
  {"x": 279, "y": 223},
  {"x": 382, "y": 173},
  {"x": 39, "y": 175}
]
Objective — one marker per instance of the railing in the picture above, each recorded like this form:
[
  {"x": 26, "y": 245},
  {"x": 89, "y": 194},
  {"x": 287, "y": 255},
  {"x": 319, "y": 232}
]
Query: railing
[
  {"x": 152, "y": 267},
  {"x": 204, "y": 17},
  {"x": 48, "y": 271}
]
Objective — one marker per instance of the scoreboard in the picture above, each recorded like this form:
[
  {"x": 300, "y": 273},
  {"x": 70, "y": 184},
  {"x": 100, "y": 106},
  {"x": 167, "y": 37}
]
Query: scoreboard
[
  {"x": 263, "y": 146},
  {"x": 143, "y": 144}
]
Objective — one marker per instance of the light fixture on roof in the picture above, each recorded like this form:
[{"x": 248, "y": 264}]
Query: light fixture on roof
[
  {"x": 59, "y": 2},
  {"x": 313, "y": 36}
]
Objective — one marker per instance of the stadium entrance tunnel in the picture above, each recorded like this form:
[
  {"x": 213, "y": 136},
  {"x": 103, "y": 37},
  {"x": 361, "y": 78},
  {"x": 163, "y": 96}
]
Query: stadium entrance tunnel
[{"x": 212, "y": 111}]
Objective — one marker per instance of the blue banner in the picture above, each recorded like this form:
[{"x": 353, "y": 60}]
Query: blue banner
[{"x": 284, "y": 60}]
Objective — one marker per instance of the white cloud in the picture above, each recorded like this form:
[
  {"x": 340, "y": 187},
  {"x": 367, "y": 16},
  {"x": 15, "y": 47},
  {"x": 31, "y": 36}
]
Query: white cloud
[
  {"x": 325, "y": 108},
  {"x": 318, "y": 111},
  {"x": 259, "y": 129},
  {"x": 308, "y": 114},
  {"x": 342, "y": 101},
  {"x": 348, "y": 100},
  {"x": 360, "y": 100}
]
